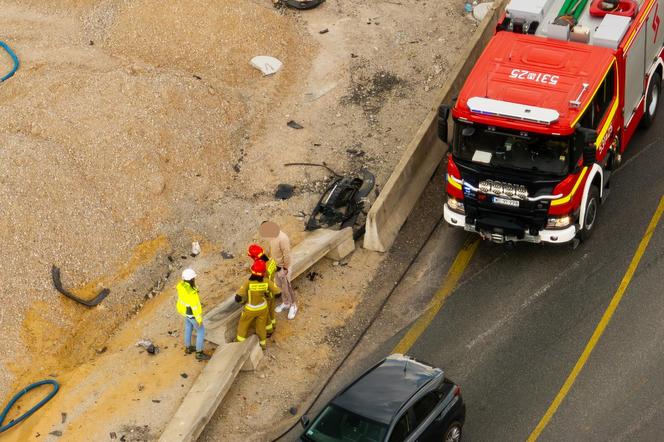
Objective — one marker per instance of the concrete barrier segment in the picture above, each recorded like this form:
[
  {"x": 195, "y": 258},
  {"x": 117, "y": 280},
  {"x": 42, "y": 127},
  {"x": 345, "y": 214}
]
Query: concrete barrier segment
[{"x": 208, "y": 391}]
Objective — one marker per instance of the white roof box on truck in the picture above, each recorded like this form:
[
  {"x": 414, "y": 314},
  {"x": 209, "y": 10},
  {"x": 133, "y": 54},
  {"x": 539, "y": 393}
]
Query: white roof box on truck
[{"x": 528, "y": 10}]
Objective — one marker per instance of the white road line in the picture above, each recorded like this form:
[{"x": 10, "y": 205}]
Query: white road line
[
  {"x": 638, "y": 154},
  {"x": 532, "y": 298},
  {"x": 641, "y": 422}
]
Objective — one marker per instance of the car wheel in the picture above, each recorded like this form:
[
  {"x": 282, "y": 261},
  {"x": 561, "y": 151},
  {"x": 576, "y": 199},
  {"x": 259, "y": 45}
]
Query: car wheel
[
  {"x": 652, "y": 100},
  {"x": 591, "y": 211},
  {"x": 453, "y": 433}
]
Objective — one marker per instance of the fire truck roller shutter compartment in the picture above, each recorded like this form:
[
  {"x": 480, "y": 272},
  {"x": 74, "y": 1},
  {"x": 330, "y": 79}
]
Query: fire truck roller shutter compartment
[{"x": 640, "y": 54}]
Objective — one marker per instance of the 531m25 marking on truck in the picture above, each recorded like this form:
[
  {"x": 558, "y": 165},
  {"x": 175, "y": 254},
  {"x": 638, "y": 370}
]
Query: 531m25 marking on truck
[{"x": 537, "y": 77}]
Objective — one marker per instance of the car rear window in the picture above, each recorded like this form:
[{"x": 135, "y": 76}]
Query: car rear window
[{"x": 337, "y": 424}]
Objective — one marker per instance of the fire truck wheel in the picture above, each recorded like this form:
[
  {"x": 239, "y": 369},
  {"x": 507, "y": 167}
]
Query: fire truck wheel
[
  {"x": 652, "y": 103},
  {"x": 591, "y": 210}
]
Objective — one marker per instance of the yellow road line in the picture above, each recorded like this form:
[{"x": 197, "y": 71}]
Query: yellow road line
[
  {"x": 451, "y": 279},
  {"x": 606, "y": 318}
]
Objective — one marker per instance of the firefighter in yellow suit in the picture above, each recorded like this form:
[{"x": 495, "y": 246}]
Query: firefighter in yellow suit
[
  {"x": 256, "y": 253},
  {"x": 254, "y": 294}
]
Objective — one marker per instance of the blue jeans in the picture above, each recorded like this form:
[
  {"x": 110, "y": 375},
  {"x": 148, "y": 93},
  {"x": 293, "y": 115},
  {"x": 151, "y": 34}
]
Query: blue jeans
[{"x": 190, "y": 324}]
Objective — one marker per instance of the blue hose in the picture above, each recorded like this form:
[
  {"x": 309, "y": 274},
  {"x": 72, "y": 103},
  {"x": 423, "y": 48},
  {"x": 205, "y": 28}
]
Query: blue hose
[
  {"x": 28, "y": 413},
  {"x": 14, "y": 69}
]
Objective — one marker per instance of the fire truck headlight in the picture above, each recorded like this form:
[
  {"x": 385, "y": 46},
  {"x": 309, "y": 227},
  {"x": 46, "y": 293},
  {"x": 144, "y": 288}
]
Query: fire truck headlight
[
  {"x": 559, "y": 222},
  {"x": 456, "y": 205}
]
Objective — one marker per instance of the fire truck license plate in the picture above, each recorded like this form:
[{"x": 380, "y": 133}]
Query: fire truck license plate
[{"x": 505, "y": 202}]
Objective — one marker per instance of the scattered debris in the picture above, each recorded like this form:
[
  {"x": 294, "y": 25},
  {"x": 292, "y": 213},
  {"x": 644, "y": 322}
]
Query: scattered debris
[
  {"x": 324, "y": 31},
  {"x": 141, "y": 387},
  {"x": 267, "y": 65},
  {"x": 156, "y": 401},
  {"x": 311, "y": 276},
  {"x": 101, "y": 350},
  {"x": 284, "y": 191},
  {"x": 113, "y": 435},
  {"x": 64, "y": 417},
  {"x": 294, "y": 125},
  {"x": 227, "y": 255},
  {"x": 341, "y": 204},
  {"x": 292, "y": 410},
  {"x": 148, "y": 346},
  {"x": 323, "y": 164},
  {"x": 356, "y": 153},
  {"x": 480, "y": 11},
  {"x": 195, "y": 248},
  {"x": 55, "y": 274},
  {"x": 56, "y": 433},
  {"x": 184, "y": 375},
  {"x": 370, "y": 90},
  {"x": 302, "y": 4},
  {"x": 197, "y": 77}
]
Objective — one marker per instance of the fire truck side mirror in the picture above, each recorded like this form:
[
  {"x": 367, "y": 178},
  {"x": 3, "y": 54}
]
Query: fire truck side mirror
[
  {"x": 587, "y": 138},
  {"x": 443, "y": 116}
]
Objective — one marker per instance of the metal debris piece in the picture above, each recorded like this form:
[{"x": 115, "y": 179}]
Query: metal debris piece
[
  {"x": 57, "y": 283},
  {"x": 323, "y": 164},
  {"x": 342, "y": 202},
  {"x": 227, "y": 255},
  {"x": 303, "y": 4},
  {"x": 294, "y": 125}
]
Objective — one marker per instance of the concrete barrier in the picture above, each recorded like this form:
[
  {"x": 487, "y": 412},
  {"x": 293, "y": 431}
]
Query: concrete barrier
[
  {"x": 216, "y": 379},
  {"x": 209, "y": 389},
  {"x": 424, "y": 153}
]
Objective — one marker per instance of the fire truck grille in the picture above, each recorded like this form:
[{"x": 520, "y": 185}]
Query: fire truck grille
[{"x": 500, "y": 188}]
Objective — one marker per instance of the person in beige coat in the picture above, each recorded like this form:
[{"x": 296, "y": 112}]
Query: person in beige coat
[{"x": 280, "y": 251}]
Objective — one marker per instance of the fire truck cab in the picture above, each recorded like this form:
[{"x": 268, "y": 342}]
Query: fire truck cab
[{"x": 546, "y": 114}]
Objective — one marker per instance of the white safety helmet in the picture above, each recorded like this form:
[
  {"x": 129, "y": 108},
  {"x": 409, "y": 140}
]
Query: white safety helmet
[{"x": 188, "y": 274}]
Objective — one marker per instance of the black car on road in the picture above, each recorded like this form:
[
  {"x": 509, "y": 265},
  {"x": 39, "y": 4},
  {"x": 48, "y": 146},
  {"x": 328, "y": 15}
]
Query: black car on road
[{"x": 400, "y": 399}]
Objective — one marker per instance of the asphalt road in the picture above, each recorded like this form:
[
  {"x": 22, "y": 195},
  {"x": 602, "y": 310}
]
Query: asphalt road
[{"x": 520, "y": 318}]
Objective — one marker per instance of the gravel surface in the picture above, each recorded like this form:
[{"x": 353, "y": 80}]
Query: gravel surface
[{"x": 121, "y": 127}]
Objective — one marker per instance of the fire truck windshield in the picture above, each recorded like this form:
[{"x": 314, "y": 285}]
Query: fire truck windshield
[{"x": 510, "y": 149}]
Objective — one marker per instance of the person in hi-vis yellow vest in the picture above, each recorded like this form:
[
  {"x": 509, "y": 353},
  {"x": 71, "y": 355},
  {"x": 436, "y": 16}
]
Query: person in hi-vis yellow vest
[{"x": 189, "y": 306}]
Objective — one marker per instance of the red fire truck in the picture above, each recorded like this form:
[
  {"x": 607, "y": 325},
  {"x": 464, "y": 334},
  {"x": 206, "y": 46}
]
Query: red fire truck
[{"x": 546, "y": 114}]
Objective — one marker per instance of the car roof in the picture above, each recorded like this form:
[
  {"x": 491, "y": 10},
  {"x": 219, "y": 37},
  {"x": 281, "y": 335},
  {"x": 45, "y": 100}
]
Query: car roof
[
  {"x": 382, "y": 391},
  {"x": 519, "y": 68}
]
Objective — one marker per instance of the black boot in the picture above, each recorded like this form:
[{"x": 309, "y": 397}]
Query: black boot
[
  {"x": 202, "y": 356},
  {"x": 189, "y": 350}
]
